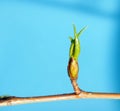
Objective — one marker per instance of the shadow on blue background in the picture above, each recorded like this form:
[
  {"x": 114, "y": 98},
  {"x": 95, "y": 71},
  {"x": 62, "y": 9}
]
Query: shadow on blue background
[
  {"x": 27, "y": 56},
  {"x": 78, "y": 7},
  {"x": 117, "y": 52}
]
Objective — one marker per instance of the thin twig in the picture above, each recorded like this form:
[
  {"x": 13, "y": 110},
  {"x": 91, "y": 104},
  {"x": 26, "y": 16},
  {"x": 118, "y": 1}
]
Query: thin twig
[
  {"x": 75, "y": 86},
  {"x": 12, "y": 100}
]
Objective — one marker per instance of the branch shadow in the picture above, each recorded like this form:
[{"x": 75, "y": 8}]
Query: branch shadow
[
  {"x": 117, "y": 57},
  {"x": 75, "y": 7}
]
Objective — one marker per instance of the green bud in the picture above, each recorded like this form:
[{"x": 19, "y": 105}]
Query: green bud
[
  {"x": 74, "y": 52},
  {"x": 75, "y": 44}
]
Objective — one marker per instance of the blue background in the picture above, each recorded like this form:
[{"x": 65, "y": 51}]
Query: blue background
[{"x": 34, "y": 48}]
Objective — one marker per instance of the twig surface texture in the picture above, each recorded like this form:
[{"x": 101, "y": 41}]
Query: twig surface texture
[{"x": 12, "y": 100}]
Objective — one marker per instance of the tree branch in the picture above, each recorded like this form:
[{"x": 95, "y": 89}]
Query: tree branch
[
  {"x": 73, "y": 69},
  {"x": 12, "y": 100}
]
